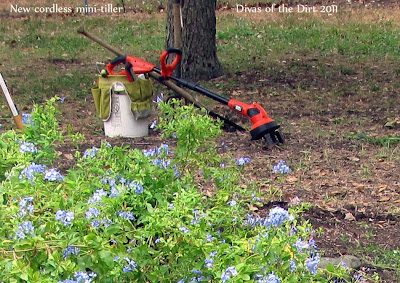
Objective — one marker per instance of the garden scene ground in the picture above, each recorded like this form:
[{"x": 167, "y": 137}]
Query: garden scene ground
[{"x": 331, "y": 81}]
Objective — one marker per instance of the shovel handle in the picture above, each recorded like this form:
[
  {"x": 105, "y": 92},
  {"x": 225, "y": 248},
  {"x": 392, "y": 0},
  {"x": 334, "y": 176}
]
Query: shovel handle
[
  {"x": 18, "y": 122},
  {"x": 114, "y": 50}
]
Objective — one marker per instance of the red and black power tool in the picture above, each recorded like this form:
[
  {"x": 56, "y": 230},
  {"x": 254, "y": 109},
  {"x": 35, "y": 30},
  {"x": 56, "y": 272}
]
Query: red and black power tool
[{"x": 263, "y": 125}]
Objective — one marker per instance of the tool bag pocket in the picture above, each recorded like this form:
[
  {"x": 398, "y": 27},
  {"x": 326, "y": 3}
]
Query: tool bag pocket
[
  {"x": 140, "y": 93},
  {"x": 102, "y": 102}
]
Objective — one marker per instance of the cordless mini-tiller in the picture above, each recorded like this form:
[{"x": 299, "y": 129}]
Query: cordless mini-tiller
[{"x": 263, "y": 126}]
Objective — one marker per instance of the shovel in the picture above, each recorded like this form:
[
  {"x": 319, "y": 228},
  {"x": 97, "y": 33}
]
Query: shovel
[{"x": 14, "y": 111}]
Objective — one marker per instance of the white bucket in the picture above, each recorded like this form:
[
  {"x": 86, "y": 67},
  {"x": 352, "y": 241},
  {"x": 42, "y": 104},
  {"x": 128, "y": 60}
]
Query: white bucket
[{"x": 122, "y": 122}]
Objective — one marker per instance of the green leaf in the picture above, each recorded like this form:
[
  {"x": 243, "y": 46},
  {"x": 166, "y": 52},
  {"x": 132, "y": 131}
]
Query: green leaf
[
  {"x": 113, "y": 229},
  {"x": 24, "y": 276},
  {"x": 330, "y": 267},
  {"x": 150, "y": 209},
  {"x": 245, "y": 277},
  {"x": 107, "y": 257},
  {"x": 90, "y": 237}
]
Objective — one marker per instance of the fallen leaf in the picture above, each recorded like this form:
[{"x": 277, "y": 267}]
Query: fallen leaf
[
  {"x": 359, "y": 187},
  {"x": 338, "y": 192},
  {"x": 208, "y": 193},
  {"x": 331, "y": 209},
  {"x": 382, "y": 188},
  {"x": 292, "y": 179},
  {"x": 393, "y": 123},
  {"x": 253, "y": 208},
  {"x": 69, "y": 156},
  {"x": 349, "y": 217},
  {"x": 382, "y": 199},
  {"x": 353, "y": 158}
]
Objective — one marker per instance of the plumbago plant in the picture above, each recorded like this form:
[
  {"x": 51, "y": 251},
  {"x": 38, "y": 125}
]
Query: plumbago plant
[{"x": 126, "y": 215}]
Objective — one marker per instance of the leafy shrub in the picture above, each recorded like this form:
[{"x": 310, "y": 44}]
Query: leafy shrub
[{"x": 158, "y": 215}]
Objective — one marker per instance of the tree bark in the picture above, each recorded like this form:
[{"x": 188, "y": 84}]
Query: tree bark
[{"x": 199, "y": 58}]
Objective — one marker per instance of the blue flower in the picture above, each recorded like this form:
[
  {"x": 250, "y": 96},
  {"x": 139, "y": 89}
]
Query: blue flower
[
  {"x": 158, "y": 240},
  {"x": 107, "y": 222},
  {"x": 196, "y": 279},
  {"x": 209, "y": 262},
  {"x": 281, "y": 167},
  {"x": 228, "y": 273},
  {"x": 213, "y": 254},
  {"x": 136, "y": 186},
  {"x": 301, "y": 245},
  {"x": 232, "y": 202},
  {"x": 255, "y": 198},
  {"x": 92, "y": 212},
  {"x": 27, "y": 147},
  {"x": 277, "y": 216},
  {"x": 164, "y": 164},
  {"x": 312, "y": 243},
  {"x": 25, "y": 206},
  {"x": 251, "y": 221},
  {"x": 30, "y": 171},
  {"x": 197, "y": 217},
  {"x": 271, "y": 278},
  {"x": 153, "y": 125},
  {"x": 53, "y": 175},
  {"x": 81, "y": 276},
  {"x": 114, "y": 193},
  {"x": 184, "y": 230},
  {"x": 196, "y": 271},
  {"x": 292, "y": 265},
  {"x": 71, "y": 250},
  {"x": 25, "y": 229},
  {"x": 131, "y": 265},
  {"x": 159, "y": 98},
  {"x": 90, "y": 152},
  {"x": 65, "y": 217},
  {"x": 162, "y": 148},
  {"x": 209, "y": 238},
  {"x": 312, "y": 264},
  {"x": 96, "y": 223},
  {"x": 126, "y": 215},
  {"x": 97, "y": 197},
  {"x": 149, "y": 153},
  {"x": 26, "y": 118},
  {"x": 242, "y": 161},
  {"x": 224, "y": 146},
  {"x": 111, "y": 182}
]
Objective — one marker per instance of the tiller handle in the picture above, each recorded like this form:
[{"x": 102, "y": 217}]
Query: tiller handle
[
  {"x": 133, "y": 65},
  {"x": 168, "y": 69}
]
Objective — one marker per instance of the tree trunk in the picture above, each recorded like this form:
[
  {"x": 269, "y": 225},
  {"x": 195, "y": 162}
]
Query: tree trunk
[{"x": 199, "y": 58}]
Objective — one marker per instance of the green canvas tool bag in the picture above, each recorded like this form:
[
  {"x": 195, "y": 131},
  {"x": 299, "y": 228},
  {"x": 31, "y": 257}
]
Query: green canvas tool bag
[{"x": 140, "y": 93}]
